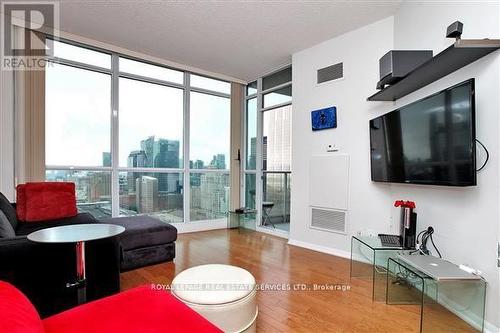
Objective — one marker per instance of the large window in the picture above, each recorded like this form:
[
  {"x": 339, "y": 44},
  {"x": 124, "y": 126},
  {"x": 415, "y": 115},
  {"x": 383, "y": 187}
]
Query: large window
[{"x": 117, "y": 128}]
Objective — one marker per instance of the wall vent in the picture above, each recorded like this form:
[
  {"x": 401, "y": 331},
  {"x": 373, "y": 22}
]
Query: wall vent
[
  {"x": 331, "y": 73},
  {"x": 328, "y": 219}
]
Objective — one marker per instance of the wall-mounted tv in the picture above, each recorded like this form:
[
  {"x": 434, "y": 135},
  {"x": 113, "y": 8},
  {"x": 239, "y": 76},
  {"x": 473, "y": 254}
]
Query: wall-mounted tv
[{"x": 430, "y": 141}]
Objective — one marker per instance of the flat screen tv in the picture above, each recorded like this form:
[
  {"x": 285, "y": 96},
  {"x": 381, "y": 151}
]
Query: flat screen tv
[{"x": 430, "y": 141}]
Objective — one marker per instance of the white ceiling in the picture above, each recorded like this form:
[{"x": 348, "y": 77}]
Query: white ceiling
[{"x": 241, "y": 39}]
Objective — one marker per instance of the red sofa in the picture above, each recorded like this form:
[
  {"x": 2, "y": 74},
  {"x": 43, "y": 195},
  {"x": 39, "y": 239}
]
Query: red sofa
[{"x": 139, "y": 310}]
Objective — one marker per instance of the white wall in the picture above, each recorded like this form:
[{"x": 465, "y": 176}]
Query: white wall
[
  {"x": 466, "y": 220},
  {"x": 359, "y": 51}
]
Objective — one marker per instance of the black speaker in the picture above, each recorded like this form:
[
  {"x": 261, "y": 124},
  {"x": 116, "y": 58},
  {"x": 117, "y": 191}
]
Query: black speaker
[
  {"x": 455, "y": 30},
  {"x": 396, "y": 64}
]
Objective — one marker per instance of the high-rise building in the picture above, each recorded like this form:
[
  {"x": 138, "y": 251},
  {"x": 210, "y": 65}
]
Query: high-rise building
[
  {"x": 218, "y": 162},
  {"x": 106, "y": 159},
  {"x": 276, "y": 156},
  {"x": 253, "y": 154},
  {"x": 277, "y": 140},
  {"x": 264, "y": 153},
  {"x": 148, "y": 146},
  {"x": 136, "y": 159},
  {"x": 198, "y": 164},
  {"x": 99, "y": 186},
  {"x": 167, "y": 156},
  {"x": 213, "y": 200},
  {"x": 146, "y": 194},
  {"x": 161, "y": 153}
]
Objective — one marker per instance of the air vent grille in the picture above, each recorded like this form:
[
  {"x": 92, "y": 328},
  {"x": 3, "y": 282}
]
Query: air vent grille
[
  {"x": 331, "y": 73},
  {"x": 328, "y": 219}
]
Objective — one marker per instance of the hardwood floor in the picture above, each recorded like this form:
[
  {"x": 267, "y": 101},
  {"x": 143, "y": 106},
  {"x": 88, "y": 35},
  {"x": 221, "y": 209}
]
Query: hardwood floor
[{"x": 272, "y": 261}]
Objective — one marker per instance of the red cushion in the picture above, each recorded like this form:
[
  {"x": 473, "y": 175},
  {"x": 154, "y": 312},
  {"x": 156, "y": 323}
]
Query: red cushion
[
  {"x": 21, "y": 202},
  {"x": 17, "y": 314},
  {"x": 139, "y": 310},
  {"x": 49, "y": 201}
]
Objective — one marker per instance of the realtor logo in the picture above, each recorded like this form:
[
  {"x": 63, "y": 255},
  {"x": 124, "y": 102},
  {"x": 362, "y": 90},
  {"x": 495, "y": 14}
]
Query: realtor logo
[{"x": 24, "y": 25}]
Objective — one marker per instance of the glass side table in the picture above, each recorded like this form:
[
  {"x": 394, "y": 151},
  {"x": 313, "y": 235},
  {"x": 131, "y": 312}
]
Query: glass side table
[
  {"x": 444, "y": 305},
  {"x": 243, "y": 220},
  {"x": 369, "y": 262}
]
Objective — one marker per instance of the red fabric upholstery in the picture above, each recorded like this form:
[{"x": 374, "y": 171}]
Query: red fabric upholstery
[
  {"x": 139, "y": 310},
  {"x": 49, "y": 201},
  {"x": 17, "y": 314},
  {"x": 21, "y": 202}
]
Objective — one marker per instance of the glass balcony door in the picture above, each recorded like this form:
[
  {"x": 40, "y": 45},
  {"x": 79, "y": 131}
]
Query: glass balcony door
[
  {"x": 266, "y": 174},
  {"x": 276, "y": 168}
]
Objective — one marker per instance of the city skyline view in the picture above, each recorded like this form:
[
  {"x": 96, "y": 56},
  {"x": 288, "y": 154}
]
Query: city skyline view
[{"x": 158, "y": 194}]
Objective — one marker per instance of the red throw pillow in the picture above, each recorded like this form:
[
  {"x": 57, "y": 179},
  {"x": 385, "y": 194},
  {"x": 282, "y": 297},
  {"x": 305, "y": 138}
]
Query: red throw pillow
[
  {"x": 21, "y": 202},
  {"x": 49, "y": 201},
  {"x": 17, "y": 314}
]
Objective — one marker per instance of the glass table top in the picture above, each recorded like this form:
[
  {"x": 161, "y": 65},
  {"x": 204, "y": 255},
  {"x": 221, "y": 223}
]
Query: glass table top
[{"x": 75, "y": 233}]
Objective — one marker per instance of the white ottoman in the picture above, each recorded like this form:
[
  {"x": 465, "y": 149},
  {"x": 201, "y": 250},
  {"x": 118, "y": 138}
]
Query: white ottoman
[{"x": 223, "y": 294}]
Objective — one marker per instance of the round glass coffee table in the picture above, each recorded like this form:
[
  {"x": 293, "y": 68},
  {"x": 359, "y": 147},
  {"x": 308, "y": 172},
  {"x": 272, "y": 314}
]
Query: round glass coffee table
[{"x": 78, "y": 234}]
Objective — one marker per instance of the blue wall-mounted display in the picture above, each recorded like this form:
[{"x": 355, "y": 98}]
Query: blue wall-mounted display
[{"x": 324, "y": 118}]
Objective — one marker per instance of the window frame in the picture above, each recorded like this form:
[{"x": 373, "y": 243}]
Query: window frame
[{"x": 115, "y": 168}]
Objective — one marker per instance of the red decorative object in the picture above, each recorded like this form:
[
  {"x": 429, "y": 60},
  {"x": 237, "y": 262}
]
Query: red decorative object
[
  {"x": 405, "y": 204},
  {"x": 138, "y": 310},
  {"x": 21, "y": 202},
  {"x": 48, "y": 201}
]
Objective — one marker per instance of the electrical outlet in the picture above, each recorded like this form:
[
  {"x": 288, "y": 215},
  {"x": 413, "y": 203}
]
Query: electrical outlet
[{"x": 332, "y": 148}]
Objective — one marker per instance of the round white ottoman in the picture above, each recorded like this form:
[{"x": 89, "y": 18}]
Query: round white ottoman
[{"x": 223, "y": 294}]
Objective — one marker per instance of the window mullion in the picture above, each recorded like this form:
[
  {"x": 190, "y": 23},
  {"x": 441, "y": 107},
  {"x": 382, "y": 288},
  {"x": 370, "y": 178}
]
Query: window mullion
[
  {"x": 187, "y": 171},
  {"x": 243, "y": 150},
  {"x": 115, "y": 186},
  {"x": 258, "y": 159}
]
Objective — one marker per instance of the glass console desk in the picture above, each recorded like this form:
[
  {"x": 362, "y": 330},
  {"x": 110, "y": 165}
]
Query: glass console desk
[
  {"x": 243, "y": 220},
  {"x": 369, "y": 262},
  {"x": 444, "y": 305}
]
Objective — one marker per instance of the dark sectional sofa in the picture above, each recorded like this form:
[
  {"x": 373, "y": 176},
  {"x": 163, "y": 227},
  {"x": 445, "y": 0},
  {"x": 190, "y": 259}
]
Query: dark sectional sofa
[
  {"x": 42, "y": 270},
  {"x": 146, "y": 241}
]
